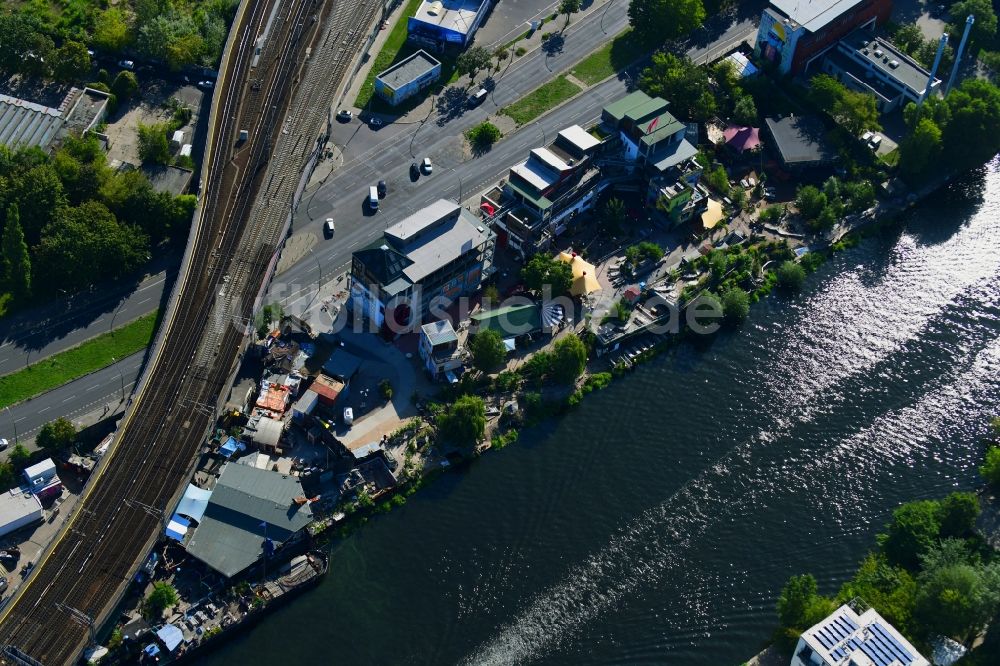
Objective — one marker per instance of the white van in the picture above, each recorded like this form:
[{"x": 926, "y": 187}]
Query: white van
[{"x": 373, "y": 197}]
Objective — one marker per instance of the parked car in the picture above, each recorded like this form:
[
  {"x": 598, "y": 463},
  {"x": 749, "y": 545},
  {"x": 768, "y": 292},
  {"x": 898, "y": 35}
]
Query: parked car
[
  {"x": 373, "y": 198},
  {"x": 426, "y": 166},
  {"x": 345, "y": 115},
  {"x": 3, "y": 444},
  {"x": 374, "y": 122},
  {"x": 867, "y": 136},
  {"x": 414, "y": 171},
  {"x": 770, "y": 194},
  {"x": 875, "y": 141},
  {"x": 206, "y": 84},
  {"x": 328, "y": 227},
  {"x": 126, "y": 64},
  {"x": 476, "y": 98},
  {"x": 348, "y": 416},
  {"x": 382, "y": 188}
]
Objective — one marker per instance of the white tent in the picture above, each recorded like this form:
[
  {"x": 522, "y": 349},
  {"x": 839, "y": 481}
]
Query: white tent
[{"x": 194, "y": 502}]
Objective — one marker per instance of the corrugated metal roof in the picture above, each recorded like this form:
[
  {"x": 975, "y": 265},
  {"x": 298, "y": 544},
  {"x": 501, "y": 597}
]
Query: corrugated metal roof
[
  {"x": 230, "y": 536},
  {"x": 24, "y": 123}
]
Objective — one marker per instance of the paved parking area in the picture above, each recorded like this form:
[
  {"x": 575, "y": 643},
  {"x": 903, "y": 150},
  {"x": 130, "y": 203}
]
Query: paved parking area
[{"x": 509, "y": 19}]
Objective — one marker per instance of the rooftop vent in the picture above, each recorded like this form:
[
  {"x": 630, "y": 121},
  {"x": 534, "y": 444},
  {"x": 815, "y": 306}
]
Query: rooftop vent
[
  {"x": 865, "y": 51},
  {"x": 434, "y": 9},
  {"x": 878, "y": 53}
]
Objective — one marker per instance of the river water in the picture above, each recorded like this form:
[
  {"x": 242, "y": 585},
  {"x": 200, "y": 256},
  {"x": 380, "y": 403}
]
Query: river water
[{"x": 657, "y": 522}]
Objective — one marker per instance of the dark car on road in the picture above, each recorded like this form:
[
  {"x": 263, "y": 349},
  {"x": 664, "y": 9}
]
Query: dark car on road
[
  {"x": 344, "y": 115},
  {"x": 414, "y": 171},
  {"x": 382, "y": 189}
]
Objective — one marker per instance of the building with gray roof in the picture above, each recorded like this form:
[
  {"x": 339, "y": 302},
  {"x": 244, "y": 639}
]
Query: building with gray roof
[
  {"x": 246, "y": 504},
  {"x": 26, "y": 124},
  {"x": 407, "y": 77},
  {"x": 439, "y": 23},
  {"x": 441, "y": 252},
  {"x": 800, "y": 142},
  {"x": 872, "y": 65}
]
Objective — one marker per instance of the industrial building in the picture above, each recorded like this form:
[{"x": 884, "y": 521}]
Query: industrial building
[
  {"x": 25, "y": 123},
  {"x": 438, "y": 254},
  {"x": 847, "y": 636},
  {"x": 407, "y": 78},
  {"x": 794, "y": 34},
  {"x": 870, "y": 64},
  {"x": 18, "y": 508},
  {"x": 442, "y": 23},
  {"x": 250, "y": 511}
]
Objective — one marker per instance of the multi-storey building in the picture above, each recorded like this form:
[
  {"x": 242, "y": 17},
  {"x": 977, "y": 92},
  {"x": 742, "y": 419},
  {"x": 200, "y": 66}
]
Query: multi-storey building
[{"x": 439, "y": 253}]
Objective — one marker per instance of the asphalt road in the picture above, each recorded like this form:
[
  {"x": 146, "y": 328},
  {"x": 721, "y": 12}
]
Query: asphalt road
[
  {"x": 73, "y": 401},
  {"x": 383, "y": 154},
  {"x": 31, "y": 336}
]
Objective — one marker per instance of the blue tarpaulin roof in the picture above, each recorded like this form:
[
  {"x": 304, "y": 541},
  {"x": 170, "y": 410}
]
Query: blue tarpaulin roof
[
  {"x": 152, "y": 649},
  {"x": 231, "y": 446},
  {"x": 177, "y": 527},
  {"x": 171, "y": 636}
]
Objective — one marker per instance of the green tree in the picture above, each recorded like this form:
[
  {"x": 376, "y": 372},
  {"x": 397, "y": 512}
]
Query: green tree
[
  {"x": 464, "y": 422},
  {"x": 972, "y": 133},
  {"x": 72, "y": 62},
  {"x": 569, "y": 358},
  {"x": 855, "y": 111},
  {"x": 908, "y": 37},
  {"x": 56, "y": 435},
  {"x": 791, "y": 275},
  {"x": 8, "y": 477},
  {"x": 153, "y": 145},
  {"x": 483, "y": 136},
  {"x": 718, "y": 180},
  {"x": 958, "y": 514},
  {"x": 744, "y": 110},
  {"x": 124, "y": 86},
  {"x": 810, "y": 201},
  {"x": 826, "y": 219},
  {"x": 891, "y": 590},
  {"x": 86, "y": 244},
  {"x": 911, "y": 533},
  {"x": 957, "y": 600},
  {"x": 800, "y": 606},
  {"x": 920, "y": 150},
  {"x": 163, "y": 596},
  {"x": 613, "y": 215},
  {"x": 19, "y": 457},
  {"x": 983, "y": 30},
  {"x": 111, "y": 30},
  {"x": 679, "y": 80},
  {"x": 16, "y": 262},
  {"x": 543, "y": 270},
  {"x": 859, "y": 195},
  {"x": 735, "y": 304},
  {"x": 990, "y": 469},
  {"x": 656, "y": 21},
  {"x": 473, "y": 60},
  {"x": 488, "y": 350},
  {"x": 538, "y": 367},
  {"x": 39, "y": 195},
  {"x": 568, "y": 7}
]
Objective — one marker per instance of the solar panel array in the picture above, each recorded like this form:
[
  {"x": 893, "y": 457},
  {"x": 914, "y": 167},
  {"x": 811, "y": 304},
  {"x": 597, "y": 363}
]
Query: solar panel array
[{"x": 840, "y": 637}]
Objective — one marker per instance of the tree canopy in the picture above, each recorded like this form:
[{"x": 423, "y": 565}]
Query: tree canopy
[
  {"x": 16, "y": 262},
  {"x": 473, "y": 60},
  {"x": 800, "y": 605},
  {"x": 983, "y": 30},
  {"x": 569, "y": 358},
  {"x": 56, "y": 435},
  {"x": 679, "y": 80},
  {"x": 544, "y": 270},
  {"x": 464, "y": 422},
  {"x": 488, "y": 350},
  {"x": 791, "y": 275},
  {"x": 855, "y": 111},
  {"x": 735, "y": 304},
  {"x": 656, "y": 21}
]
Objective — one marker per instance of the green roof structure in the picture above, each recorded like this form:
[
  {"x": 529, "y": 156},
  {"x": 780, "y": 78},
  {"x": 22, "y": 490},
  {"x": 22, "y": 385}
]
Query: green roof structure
[
  {"x": 510, "y": 320},
  {"x": 618, "y": 110}
]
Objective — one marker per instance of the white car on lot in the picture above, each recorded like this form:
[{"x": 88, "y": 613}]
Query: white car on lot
[
  {"x": 328, "y": 226},
  {"x": 875, "y": 141},
  {"x": 426, "y": 166},
  {"x": 867, "y": 136}
]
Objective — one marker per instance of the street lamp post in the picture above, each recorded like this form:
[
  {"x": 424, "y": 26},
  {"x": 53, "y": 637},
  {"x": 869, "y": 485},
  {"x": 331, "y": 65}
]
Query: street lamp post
[
  {"x": 12, "y": 422},
  {"x": 121, "y": 377},
  {"x": 603, "y": 14}
]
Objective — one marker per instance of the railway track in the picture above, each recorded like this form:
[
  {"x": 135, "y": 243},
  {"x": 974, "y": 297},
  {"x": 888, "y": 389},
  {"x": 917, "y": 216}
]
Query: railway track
[{"x": 245, "y": 207}]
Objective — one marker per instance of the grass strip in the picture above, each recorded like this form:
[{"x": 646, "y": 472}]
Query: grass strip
[
  {"x": 387, "y": 56},
  {"x": 610, "y": 59},
  {"x": 541, "y": 99},
  {"x": 74, "y": 363}
]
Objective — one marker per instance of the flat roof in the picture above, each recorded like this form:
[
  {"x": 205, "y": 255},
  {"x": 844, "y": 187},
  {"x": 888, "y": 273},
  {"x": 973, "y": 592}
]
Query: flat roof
[
  {"x": 16, "y": 504},
  {"x": 448, "y": 242},
  {"x": 230, "y": 535},
  {"x": 845, "y": 632},
  {"x": 342, "y": 364},
  {"x": 813, "y": 15},
  {"x": 409, "y": 69},
  {"x": 404, "y": 230},
  {"x": 454, "y": 15},
  {"x": 24, "y": 123},
  {"x": 800, "y": 139},
  {"x": 439, "y": 332},
  {"x": 40, "y": 468},
  {"x": 536, "y": 173},
  {"x": 579, "y": 137},
  {"x": 549, "y": 158},
  {"x": 907, "y": 73},
  {"x": 510, "y": 319}
]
